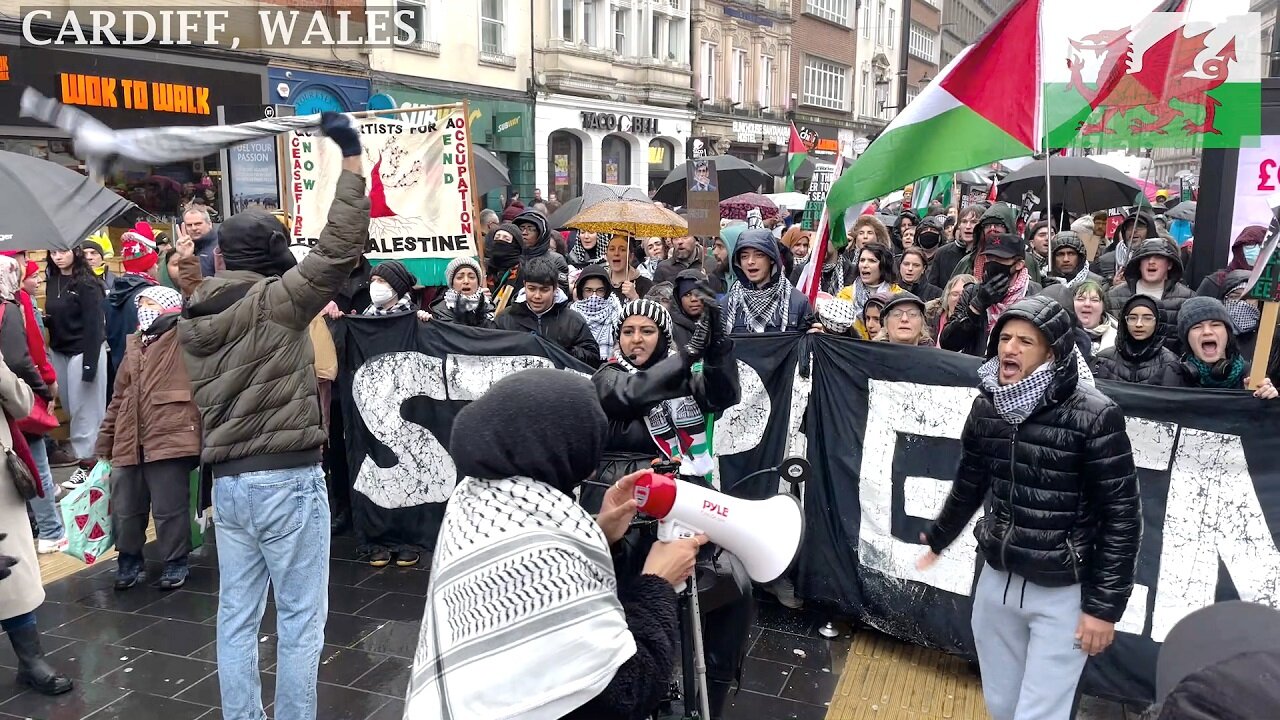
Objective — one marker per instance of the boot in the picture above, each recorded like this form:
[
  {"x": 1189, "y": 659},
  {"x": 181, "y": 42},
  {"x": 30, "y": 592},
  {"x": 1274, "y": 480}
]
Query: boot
[
  {"x": 32, "y": 668},
  {"x": 717, "y": 697},
  {"x": 128, "y": 570}
]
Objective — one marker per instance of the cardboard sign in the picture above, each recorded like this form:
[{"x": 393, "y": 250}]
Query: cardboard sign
[{"x": 702, "y": 197}]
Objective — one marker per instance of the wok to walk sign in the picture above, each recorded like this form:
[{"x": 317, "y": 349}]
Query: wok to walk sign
[{"x": 418, "y": 179}]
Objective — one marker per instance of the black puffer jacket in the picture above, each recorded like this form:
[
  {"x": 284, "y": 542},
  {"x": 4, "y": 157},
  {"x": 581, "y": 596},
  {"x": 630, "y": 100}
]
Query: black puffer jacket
[
  {"x": 966, "y": 330},
  {"x": 560, "y": 325},
  {"x": 1064, "y": 490},
  {"x": 1175, "y": 293},
  {"x": 1145, "y": 362}
]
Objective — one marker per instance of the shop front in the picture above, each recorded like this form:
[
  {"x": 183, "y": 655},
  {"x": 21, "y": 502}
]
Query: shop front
[
  {"x": 312, "y": 92},
  {"x": 132, "y": 89},
  {"x": 755, "y": 140},
  {"x": 504, "y": 127},
  {"x": 584, "y": 140}
]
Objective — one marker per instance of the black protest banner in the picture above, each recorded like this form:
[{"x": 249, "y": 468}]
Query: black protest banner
[
  {"x": 403, "y": 381},
  {"x": 889, "y": 419}
]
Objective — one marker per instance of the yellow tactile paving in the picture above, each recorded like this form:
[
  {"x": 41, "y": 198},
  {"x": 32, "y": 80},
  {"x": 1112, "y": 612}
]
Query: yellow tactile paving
[{"x": 886, "y": 679}]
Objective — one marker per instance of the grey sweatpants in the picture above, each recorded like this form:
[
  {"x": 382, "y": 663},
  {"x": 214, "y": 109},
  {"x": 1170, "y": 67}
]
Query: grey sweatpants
[
  {"x": 85, "y": 402},
  {"x": 161, "y": 489},
  {"x": 1026, "y": 639}
]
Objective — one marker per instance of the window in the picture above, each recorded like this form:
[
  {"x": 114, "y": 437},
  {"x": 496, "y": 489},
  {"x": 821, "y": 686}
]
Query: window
[
  {"x": 708, "y": 78},
  {"x": 837, "y": 11},
  {"x": 923, "y": 43},
  {"x": 880, "y": 16},
  {"x": 739, "y": 79},
  {"x": 655, "y": 38},
  {"x": 864, "y": 101},
  {"x": 866, "y": 19},
  {"x": 589, "y": 23},
  {"x": 615, "y": 160},
  {"x": 421, "y": 19},
  {"x": 824, "y": 84},
  {"x": 620, "y": 30},
  {"x": 662, "y": 158},
  {"x": 566, "y": 20},
  {"x": 912, "y": 94},
  {"x": 766, "y": 82},
  {"x": 677, "y": 37},
  {"x": 889, "y": 26},
  {"x": 492, "y": 30},
  {"x": 564, "y": 172}
]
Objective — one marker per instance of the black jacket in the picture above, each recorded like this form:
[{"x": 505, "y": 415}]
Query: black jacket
[
  {"x": 640, "y": 682},
  {"x": 668, "y": 269},
  {"x": 475, "y": 318},
  {"x": 73, "y": 316},
  {"x": 923, "y": 289},
  {"x": 122, "y": 313},
  {"x": 13, "y": 347},
  {"x": 943, "y": 265},
  {"x": 966, "y": 331},
  {"x": 1175, "y": 293},
  {"x": 1143, "y": 362},
  {"x": 628, "y": 397},
  {"x": 560, "y": 325},
  {"x": 1064, "y": 490}
]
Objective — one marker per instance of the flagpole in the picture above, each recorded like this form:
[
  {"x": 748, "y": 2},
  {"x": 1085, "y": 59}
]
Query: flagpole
[{"x": 1043, "y": 141}]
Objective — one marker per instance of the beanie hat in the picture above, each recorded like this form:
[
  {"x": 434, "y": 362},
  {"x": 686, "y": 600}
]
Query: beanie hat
[
  {"x": 1197, "y": 310},
  {"x": 1070, "y": 239},
  {"x": 138, "y": 252},
  {"x": 145, "y": 230},
  {"x": 397, "y": 276},
  {"x": 482, "y": 448},
  {"x": 457, "y": 264},
  {"x": 646, "y": 308},
  {"x": 255, "y": 241}
]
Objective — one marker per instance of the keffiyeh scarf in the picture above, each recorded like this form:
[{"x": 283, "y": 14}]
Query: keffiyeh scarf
[
  {"x": 467, "y": 304},
  {"x": 759, "y": 306},
  {"x": 169, "y": 301},
  {"x": 523, "y": 589},
  {"x": 679, "y": 429},
  {"x": 1244, "y": 317},
  {"x": 833, "y": 276},
  {"x": 1017, "y": 291},
  {"x": 404, "y": 304},
  {"x": 862, "y": 293},
  {"x": 1073, "y": 282},
  {"x": 1015, "y": 403},
  {"x": 602, "y": 315},
  {"x": 581, "y": 257}
]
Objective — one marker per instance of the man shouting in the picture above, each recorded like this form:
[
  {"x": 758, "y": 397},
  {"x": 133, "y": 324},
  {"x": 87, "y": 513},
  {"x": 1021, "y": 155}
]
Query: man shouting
[{"x": 1060, "y": 538}]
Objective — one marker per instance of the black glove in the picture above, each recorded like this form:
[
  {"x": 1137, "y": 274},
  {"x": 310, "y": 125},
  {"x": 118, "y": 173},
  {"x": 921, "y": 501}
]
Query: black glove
[
  {"x": 701, "y": 339},
  {"x": 339, "y": 128},
  {"x": 992, "y": 290},
  {"x": 6, "y": 562}
]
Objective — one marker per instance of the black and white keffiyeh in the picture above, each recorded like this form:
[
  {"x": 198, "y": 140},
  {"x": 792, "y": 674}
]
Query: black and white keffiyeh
[
  {"x": 1073, "y": 282},
  {"x": 523, "y": 595},
  {"x": 602, "y": 315},
  {"x": 759, "y": 307},
  {"x": 403, "y": 305},
  {"x": 581, "y": 257},
  {"x": 1016, "y": 402},
  {"x": 833, "y": 276},
  {"x": 1244, "y": 317}
]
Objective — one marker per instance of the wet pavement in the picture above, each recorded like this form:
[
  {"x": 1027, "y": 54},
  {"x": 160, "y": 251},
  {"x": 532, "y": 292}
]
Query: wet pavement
[{"x": 143, "y": 654}]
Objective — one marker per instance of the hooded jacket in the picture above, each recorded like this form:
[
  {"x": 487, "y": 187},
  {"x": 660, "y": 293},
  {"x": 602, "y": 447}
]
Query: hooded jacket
[
  {"x": 1212, "y": 285},
  {"x": 543, "y": 246},
  {"x": 798, "y": 311},
  {"x": 248, "y": 351},
  {"x": 721, "y": 277},
  {"x": 1004, "y": 214},
  {"x": 1144, "y": 362},
  {"x": 1175, "y": 293},
  {"x": 1064, "y": 490},
  {"x": 682, "y": 326},
  {"x": 122, "y": 313},
  {"x": 1106, "y": 264},
  {"x": 560, "y": 324},
  {"x": 1055, "y": 285}
]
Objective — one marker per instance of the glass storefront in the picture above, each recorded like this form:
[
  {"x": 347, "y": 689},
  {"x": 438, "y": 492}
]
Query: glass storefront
[
  {"x": 564, "y": 172},
  {"x": 615, "y": 158}
]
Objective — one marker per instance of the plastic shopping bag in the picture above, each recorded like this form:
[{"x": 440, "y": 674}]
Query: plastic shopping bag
[{"x": 86, "y": 513}]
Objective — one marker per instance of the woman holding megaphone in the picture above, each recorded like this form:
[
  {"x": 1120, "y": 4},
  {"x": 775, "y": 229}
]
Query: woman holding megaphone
[{"x": 659, "y": 395}]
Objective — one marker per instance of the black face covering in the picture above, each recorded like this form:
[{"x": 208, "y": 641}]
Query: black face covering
[
  {"x": 928, "y": 240},
  {"x": 995, "y": 269}
]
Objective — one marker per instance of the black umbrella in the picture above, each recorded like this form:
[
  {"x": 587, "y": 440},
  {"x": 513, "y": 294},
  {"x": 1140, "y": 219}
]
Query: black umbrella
[
  {"x": 593, "y": 193},
  {"x": 734, "y": 176},
  {"x": 777, "y": 167},
  {"x": 491, "y": 174},
  {"x": 1080, "y": 185},
  {"x": 45, "y": 206}
]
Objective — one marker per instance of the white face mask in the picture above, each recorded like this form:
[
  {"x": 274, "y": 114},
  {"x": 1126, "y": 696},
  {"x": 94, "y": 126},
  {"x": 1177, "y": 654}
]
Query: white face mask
[
  {"x": 1251, "y": 253},
  {"x": 381, "y": 294}
]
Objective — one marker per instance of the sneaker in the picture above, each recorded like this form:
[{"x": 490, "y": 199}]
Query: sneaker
[
  {"x": 49, "y": 547},
  {"x": 128, "y": 570},
  {"x": 174, "y": 577},
  {"x": 380, "y": 558},
  {"x": 76, "y": 480},
  {"x": 406, "y": 558}
]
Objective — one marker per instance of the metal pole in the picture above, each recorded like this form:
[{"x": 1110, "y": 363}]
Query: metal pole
[
  {"x": 903, "y": 55},
  {"x": 699, "y": 657}
]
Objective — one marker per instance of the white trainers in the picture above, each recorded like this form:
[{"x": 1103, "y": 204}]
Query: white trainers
[
  {"x": 77, "y": 479},
  {"x": 49, "y": 547}
]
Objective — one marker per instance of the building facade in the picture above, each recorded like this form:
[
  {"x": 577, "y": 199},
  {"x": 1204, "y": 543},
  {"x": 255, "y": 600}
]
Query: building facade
[
  {"x": 741, "y": 77},
  {"x": 924, "y": 44},
  {"x": 824, "y": 66},
  {"x": 878, "y": 32},
  {"x": 478, "y": 53},
  {"x": 964, "y": 21},
  {"x": 614, "y": 93}
]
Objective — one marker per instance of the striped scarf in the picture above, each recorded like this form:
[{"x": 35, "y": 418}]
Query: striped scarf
[
  {"x": 760, "y": 307},
  {"x": 403, "y": 305}
]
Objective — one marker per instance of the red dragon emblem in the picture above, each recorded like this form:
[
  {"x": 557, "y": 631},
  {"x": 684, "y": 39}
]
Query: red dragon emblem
[{"x": 1164, "y": 77}]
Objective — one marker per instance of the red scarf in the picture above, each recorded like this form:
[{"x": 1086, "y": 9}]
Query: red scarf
[{"x": 35, "y": 341}]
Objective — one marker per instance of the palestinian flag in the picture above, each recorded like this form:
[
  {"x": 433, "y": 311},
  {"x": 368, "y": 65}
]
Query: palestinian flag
[
  {"x": 937, "y": 187},
  {"x": 981, "y": 108},
  {"x": 1151, "y": 73},
  {"x": 796, "y": 154}
]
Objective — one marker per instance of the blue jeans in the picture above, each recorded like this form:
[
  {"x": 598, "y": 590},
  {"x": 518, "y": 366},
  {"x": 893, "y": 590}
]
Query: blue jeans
[
  {"x": 271, "y": 526},
  {"x": 48, "y": 519}
]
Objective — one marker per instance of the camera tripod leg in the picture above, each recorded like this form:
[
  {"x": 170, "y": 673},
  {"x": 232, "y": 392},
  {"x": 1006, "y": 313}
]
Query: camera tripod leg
[{"x": 694, "y": 620}]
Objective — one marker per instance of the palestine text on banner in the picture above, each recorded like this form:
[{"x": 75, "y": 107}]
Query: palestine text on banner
[
  {"x": 981, "y": 108},
  {"x": 419, "y": 187},
  {"x": 1118, "y": 75}
]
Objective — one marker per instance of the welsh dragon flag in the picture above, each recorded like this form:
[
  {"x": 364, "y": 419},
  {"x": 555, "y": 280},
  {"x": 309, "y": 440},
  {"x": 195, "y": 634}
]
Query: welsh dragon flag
[
  {"x": 796, "y": 154},
  {"x": 981, "y": 108},
  {"x": 1151, "y": 73}
]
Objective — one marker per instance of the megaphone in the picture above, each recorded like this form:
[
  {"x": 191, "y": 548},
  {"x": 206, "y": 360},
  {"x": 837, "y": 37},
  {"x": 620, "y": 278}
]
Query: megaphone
[{"x": 764, "y": 534}]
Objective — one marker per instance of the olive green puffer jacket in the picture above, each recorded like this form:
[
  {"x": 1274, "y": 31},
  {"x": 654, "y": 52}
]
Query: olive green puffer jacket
[{"x": 252, "y": 365}]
